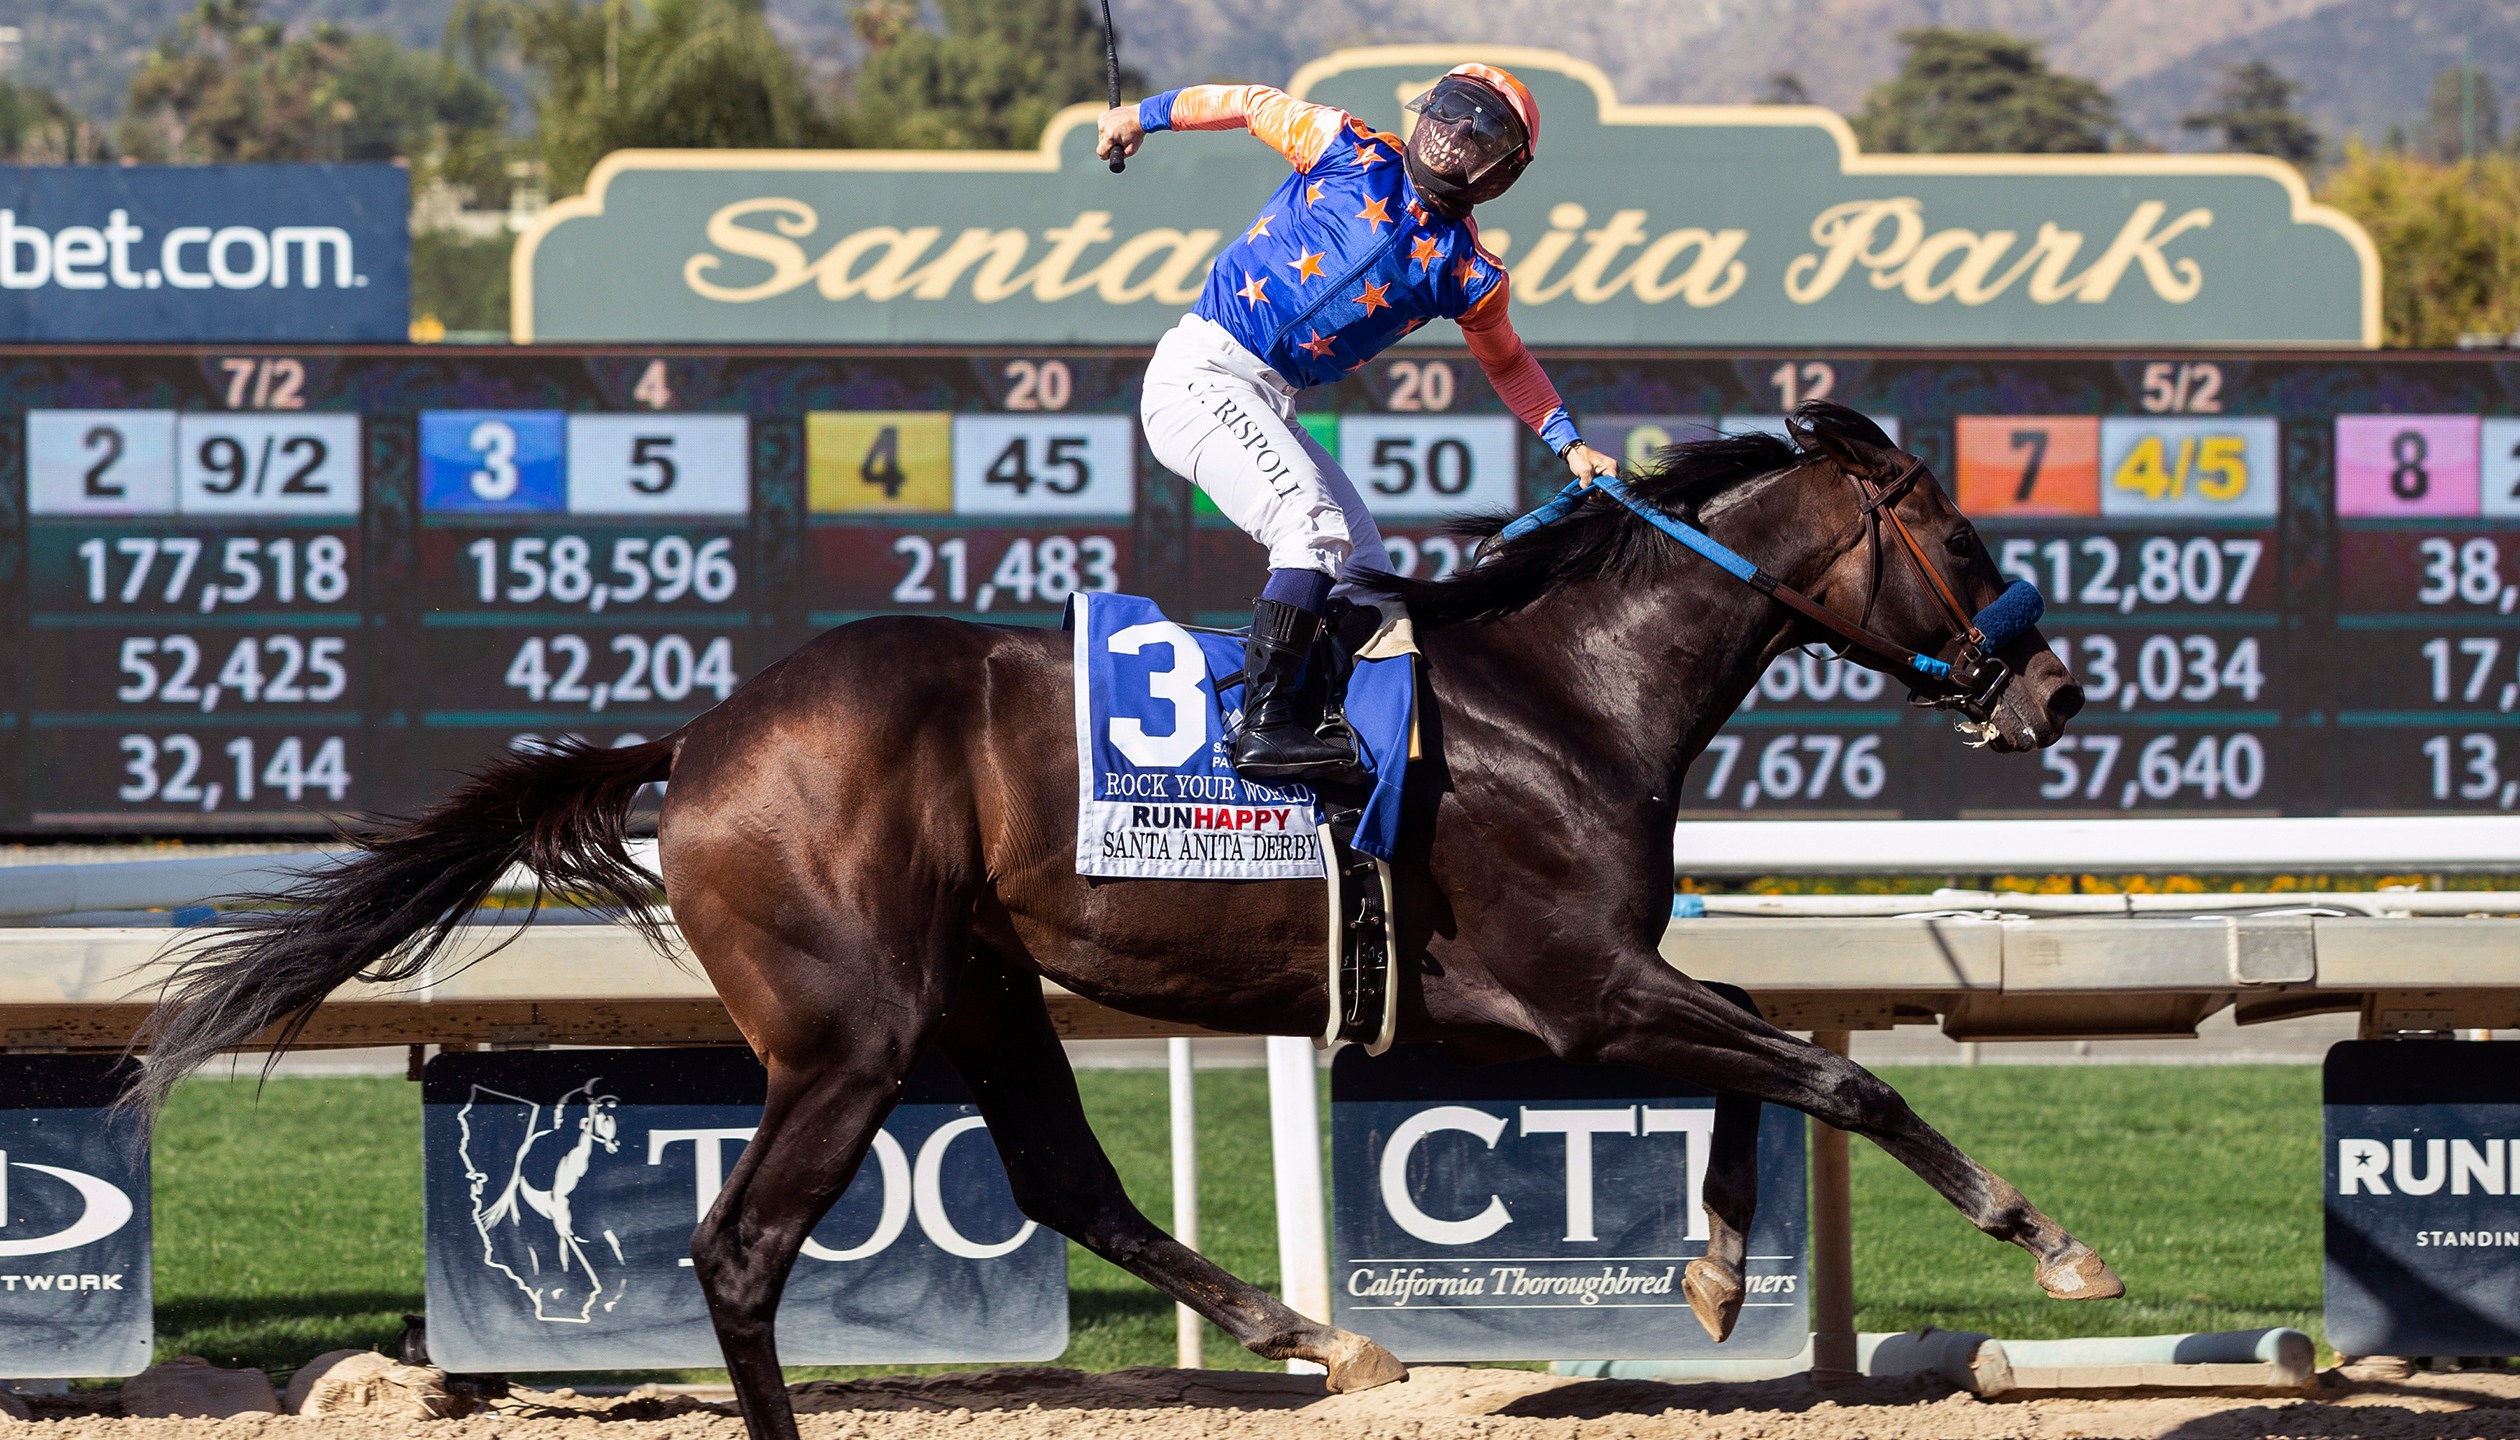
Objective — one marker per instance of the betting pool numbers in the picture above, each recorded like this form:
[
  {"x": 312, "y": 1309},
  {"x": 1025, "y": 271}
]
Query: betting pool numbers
[
  {"x": 983, "y": 516},
  {"x": 2154, "y": 539},
  {"x": 584, "y": 574},
  {"x": 194, "y": 654},
  {"x": 2428, "y": 610},
  {"x": 268, "y": 592}
]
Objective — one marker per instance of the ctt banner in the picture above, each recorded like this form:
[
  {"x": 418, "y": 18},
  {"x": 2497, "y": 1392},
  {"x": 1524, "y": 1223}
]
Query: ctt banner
[
  {"x": 1544, "y": 1210},
  {"x": 163, "y": 253},
  {"x": 562, "y": 1187},
  {"x": 74, "y": 1221},
  {"x": 2423, "y": 1197}
]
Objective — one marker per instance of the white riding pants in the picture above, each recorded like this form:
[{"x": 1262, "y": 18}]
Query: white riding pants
[{"x": 1219, "y": 417}]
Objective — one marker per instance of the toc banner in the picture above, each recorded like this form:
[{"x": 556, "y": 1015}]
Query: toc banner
[
  {"x": 1544, "y": 1211},
  {"x": 74, "y": 1220},
  {"x": 562, "y": 1187},
  {"x": 205, "y": 252},
  {"x": 2423, "y": 1197}
]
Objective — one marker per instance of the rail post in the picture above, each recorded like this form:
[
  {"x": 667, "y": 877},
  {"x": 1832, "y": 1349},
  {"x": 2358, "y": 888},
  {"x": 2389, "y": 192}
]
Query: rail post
[
  {"x": 1295, "y": 1145},
  {"x": 1832, "y": 1244},
  {"x": 1187, "y": 1352}
]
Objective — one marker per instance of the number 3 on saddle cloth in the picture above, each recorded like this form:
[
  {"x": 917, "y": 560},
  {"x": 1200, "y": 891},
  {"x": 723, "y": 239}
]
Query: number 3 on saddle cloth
[{"x": 1158, "y": 799}]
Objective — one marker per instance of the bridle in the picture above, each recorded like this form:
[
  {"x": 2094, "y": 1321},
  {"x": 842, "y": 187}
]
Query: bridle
[{"x": 1971, "y": 682}]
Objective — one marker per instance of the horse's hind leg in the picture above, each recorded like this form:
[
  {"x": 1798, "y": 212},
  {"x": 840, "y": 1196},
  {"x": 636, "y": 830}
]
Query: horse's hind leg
[
  {"x": 1713, "y": 1282},
  {"x": 1000, "y": 1038},
  {"x": 1670, "y": 1023},
  {"x": 836, "y": 1056}
]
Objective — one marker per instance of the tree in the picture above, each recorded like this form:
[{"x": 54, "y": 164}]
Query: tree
[
  {"x": 2459, "y": 121},
  {"x": 1784, "y": 87},
  {"x": 2253, "y": 110},
  {"x": 1983, "y": 91},
  {"x": 670, "y": 74},
  {"x": 229, "y": 86},
  {"x": 991, "y": 78},
  {"x": 36, "y": 128},
  {"x": 2448, "y": 264}
]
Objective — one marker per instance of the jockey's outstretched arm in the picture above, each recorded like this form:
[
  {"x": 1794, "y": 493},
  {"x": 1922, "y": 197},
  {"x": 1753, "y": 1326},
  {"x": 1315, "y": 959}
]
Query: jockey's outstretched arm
[
  {"x": 1297, "y": 129},
  {"x": 1524, "y": 386}
]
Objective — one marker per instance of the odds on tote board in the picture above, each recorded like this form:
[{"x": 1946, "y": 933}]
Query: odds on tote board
[{"x": 256, "y": 590}]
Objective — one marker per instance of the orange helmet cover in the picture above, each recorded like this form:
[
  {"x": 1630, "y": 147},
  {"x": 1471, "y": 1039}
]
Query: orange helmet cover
[{"x": 1516, "y": 95}]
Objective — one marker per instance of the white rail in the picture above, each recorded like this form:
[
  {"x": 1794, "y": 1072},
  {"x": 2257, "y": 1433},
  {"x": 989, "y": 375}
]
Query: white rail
[{"x": 2391, "y": 842}]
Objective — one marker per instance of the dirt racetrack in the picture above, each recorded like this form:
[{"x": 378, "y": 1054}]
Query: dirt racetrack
[{"x": 1438, "y": 1403}]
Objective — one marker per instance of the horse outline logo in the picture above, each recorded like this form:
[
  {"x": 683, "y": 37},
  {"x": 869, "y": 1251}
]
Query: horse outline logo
[{"x": 501, "y": 1219}]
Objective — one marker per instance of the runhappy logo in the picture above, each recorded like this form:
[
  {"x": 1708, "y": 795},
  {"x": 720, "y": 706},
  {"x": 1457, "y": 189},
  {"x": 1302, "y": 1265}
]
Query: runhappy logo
[{"x": 122, "y": 255}]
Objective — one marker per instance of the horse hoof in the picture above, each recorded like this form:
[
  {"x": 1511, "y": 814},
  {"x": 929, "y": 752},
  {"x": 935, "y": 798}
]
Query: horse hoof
[
  {"x": 2080, "y": 1274},
  {"x": 1356, "y": 1363},
  {"x": 1714, "y": 1293}
]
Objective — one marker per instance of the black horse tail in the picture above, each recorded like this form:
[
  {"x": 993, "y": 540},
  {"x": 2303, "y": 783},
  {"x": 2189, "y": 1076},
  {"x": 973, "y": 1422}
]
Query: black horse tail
[{"x": 384, "y": 913}]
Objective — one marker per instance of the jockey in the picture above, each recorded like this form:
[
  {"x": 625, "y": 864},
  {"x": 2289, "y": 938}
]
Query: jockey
[{"x": 1366, "y": 241}]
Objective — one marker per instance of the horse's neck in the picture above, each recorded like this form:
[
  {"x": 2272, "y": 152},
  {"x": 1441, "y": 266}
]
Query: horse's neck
[{"x": 1647, "y": 674}]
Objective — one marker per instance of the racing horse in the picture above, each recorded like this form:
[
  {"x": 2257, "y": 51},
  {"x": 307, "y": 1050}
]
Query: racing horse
[{"x": 869, "y": 848}]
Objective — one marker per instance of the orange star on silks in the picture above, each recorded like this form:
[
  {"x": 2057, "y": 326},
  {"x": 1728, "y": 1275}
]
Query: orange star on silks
[
  {"x": 1373, "y": 299},
  {"x": 1369, "y": 157},
  {"x": 1312, "y": 193},
  {"x": 1425, "y": 252},
  {"x": 1259, "y": 227},
  {"x": 1374, "y": 215},
  {"x": 1305, "y": 266},
  {"x": 1318, "y": 346},
  {"x": 1417, "y": 212},
  {"x": 1255, "y": 288},
  {"x": 1467, "y": 271}
]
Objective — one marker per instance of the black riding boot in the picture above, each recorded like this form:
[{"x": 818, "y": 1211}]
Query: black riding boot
[{"x": 1279, "y": 739}]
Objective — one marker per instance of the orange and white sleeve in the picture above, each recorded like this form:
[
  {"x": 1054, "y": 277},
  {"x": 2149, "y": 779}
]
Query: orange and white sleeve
[
  {"x": 1514, "y": 370},
  {"x": 1297, "y": 129}
]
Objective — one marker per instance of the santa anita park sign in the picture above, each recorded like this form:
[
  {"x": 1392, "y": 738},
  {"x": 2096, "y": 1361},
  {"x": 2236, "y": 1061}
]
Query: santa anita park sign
[{"x": 1639, "y": 225}]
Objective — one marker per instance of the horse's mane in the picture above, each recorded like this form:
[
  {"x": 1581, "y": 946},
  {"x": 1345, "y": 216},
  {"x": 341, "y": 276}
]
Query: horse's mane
[{"x": 1601, "y": 539}]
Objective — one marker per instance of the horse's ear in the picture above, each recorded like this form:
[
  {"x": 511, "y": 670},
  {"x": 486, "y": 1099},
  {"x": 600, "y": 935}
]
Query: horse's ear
[{"x": 1844, "y": 435}]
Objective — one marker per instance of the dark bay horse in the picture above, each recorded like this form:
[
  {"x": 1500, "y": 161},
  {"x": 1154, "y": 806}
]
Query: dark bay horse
[{"x": 870, "y": 849}]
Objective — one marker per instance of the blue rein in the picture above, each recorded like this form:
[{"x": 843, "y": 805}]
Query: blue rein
[{"x": 2003, "y": 620}]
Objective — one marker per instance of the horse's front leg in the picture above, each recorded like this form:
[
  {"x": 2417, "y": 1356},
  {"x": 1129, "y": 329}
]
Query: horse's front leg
[
  {"x": 1668, "y": 1022},
  {"x": 1713, "y": 1282}
]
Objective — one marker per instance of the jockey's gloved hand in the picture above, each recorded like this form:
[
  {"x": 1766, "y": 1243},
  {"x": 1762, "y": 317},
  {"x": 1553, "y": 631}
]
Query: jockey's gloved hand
[
  {"x": 1118, "y": 132},
  {"x": 1588, "y": 464}
]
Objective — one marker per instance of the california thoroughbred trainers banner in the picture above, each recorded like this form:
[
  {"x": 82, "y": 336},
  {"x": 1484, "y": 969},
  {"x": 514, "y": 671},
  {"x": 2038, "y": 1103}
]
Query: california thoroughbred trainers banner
[{"x": 1639, "y": 225}]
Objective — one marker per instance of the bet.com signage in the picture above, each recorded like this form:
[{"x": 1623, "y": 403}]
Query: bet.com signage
[
  {"x": 209, "y": 252},
  {"x": 1662, "y": 225},
  {"x": 563, "y": 1188}
]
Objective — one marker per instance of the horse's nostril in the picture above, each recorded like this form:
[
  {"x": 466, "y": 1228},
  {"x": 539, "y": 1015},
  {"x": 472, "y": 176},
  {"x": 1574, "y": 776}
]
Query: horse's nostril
[{"x": 2065, "y": 702}]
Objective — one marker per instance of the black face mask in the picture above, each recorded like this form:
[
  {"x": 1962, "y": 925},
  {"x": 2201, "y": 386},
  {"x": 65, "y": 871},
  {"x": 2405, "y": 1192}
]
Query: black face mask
[{"x": 1467, "y": 147}]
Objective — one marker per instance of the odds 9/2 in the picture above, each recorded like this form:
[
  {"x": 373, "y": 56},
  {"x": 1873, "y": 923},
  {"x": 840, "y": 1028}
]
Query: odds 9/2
[{"x": 651, "y": 570}]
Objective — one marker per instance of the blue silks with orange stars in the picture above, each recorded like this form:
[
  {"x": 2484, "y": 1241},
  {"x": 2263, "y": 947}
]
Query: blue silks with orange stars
[{"x": 1344, "y": 260}]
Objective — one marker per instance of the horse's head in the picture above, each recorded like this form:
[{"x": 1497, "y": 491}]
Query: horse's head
[{"x": 1918, "y": 575}]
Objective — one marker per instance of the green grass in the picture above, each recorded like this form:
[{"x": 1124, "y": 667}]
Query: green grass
[
  {"x": 292, "y": 1226},
  {"x": 2200, "y": 1185}
]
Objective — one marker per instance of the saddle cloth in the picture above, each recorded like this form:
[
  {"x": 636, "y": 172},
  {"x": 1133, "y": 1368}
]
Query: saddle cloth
[{"x": 1157, "y": 796}]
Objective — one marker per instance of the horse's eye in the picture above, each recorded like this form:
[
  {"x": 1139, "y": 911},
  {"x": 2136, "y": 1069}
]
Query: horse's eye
[{"x": 1961, "y": 543}]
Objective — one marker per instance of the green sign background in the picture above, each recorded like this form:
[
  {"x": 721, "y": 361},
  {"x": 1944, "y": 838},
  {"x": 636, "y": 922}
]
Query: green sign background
[{"x": 1639, "y": 225}]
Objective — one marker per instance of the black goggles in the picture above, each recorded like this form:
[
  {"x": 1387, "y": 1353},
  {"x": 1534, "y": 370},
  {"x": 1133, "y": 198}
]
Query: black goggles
[{"x": 1477, "y": 120}]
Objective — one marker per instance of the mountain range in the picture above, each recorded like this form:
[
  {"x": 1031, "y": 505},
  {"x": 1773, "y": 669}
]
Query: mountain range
[{"x": 2365, "y": 66}]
